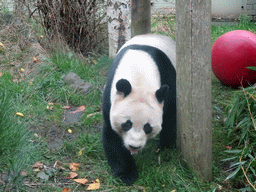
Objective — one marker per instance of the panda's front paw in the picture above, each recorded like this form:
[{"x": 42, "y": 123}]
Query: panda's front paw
[{"x": 128, "y": 178}]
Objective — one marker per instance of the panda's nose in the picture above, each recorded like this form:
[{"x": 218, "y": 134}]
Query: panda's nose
[{"x": 132, "y": 147}]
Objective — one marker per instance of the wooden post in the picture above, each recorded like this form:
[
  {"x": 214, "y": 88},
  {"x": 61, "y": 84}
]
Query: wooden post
[
  {"x": 194, "y": 110},
  {"x": 140, "y": 17}
]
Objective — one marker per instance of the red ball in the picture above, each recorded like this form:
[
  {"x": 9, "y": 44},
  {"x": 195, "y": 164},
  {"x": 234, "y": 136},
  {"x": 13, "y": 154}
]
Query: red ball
[{"x": 231, "y": 54}]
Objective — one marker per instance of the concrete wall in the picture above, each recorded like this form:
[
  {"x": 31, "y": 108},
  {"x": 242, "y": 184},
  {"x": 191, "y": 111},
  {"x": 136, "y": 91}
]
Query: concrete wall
[{"x": 220, "y": 8}]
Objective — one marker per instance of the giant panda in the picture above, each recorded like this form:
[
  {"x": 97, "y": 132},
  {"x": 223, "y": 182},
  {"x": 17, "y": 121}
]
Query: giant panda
[{"x": 139, "y": 101}]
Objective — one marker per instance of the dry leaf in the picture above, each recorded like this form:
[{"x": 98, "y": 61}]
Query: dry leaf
[
  {"x": 30, "y": 82},
  {"x": 36, "y": 170},
  {"x": 66, "y": 189},
  {"x": 80, "y": 153},
  {"x": 94, "y": 61},
  {"x": 51, "y": 108},
  {"x": 79, "y": 109},
  {"x": 50, "y": 104},
  {"x": 20, "y": 114},
  {"x": 94, "y": 186},
  {"x": 38, "y": 164},
  {"x": 229, "y": 147},
  {"x": 92, "y": 114},
  {"x": 81, "y": 181},
  {"x": 22, "y": 69},
  {"x": 72, "y": 175},
  {"x": 73, "y": 166},
  {"x": 69, "y": 130},
  {"x": 66, "y": 107},
  {"x": 35, "y": 59},
  {"x": 1, "y": 44},
  {"x": 1, "y": 74},
  {"x": 24, "y": 173}
]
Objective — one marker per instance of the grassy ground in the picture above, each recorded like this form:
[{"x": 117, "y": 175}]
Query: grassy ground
[{"x": 81, "y": 142}]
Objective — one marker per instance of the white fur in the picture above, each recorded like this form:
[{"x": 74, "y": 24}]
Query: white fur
[
  {"x": 162, "y": 42},
  {"x": 141, "y": 105}
]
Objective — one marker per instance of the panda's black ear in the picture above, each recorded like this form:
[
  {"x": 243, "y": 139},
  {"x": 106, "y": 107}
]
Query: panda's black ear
[
  {"x": 162, "y": 93},
  {"x": 124, "y": 86}
]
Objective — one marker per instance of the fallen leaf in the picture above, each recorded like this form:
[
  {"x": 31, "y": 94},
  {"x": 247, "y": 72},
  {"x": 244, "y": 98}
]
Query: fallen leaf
[
  {"x": 24, "y": 173},
  {"x": 94, "y": 61},
  {"x": 38, "y": 165},
  {"x": 174, "y": 190},
  {"x": 92, "y": 114},
  {"x": 66, "y": 107},
  {"x": 36, "y": 170},
  {"x": 72, "y": 175},
  {"x": 81, "y": 181},
  {"x": 69, "y": 130},
  {"x": 66, "y": 189},
  {"x": 22, "y": 69},
  {"x": 50, "y": 104},
  {"x": 41, "y": 36},
  {"x": 51, "y": 108},
  {"x": 20, "y": 114},
  {"x": 79, "y": 109},
  {"x": 1, "y": 74},
  {"x": 35, "y": 59},
  {"x": 30, "y": 82},
  {"x": 80, "y": 153},
  {"x": 73, "y": 166},
  {"x": 94, "y": 186},
  {"x": 1, "y": 44},
  {"x": 229, "y": 147}
]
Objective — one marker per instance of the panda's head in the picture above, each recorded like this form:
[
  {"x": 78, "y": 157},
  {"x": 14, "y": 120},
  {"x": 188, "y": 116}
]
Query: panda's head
[{"x": 136, "y": 115}]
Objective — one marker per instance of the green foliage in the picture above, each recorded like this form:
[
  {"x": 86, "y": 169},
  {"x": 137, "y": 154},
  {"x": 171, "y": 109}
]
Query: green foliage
[
  {"x": 244, "y": 19},
  {"x": 17, "y": 149},
  {"x": 241, "y": 115}
]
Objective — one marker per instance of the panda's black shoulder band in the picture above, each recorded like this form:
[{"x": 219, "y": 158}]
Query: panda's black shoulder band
[
  {"x": 162, "y": 93},
  {"x": 124, "y": 86}
]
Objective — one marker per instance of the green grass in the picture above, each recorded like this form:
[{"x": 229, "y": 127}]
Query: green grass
[
  {"x": 18, "y": 148},
  {"x": 158, "y": 172}
]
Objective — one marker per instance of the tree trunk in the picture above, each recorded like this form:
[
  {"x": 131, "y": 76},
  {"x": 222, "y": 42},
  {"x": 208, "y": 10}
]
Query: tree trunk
[
  {"x": 194, "y": 118},
  {"x": 118, "y": 24},
  {"x": 140, "y": 17}
]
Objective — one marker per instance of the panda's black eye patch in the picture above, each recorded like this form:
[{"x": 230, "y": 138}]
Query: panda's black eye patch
[
  {"x": 127, "y": 125},
  {"x": 147, "y": 128}
]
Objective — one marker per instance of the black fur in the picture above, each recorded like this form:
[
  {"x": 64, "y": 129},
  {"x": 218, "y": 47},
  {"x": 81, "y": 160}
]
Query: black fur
[
  {"x": 124, "y": 86},
  {"x": 119, "y": 158}
]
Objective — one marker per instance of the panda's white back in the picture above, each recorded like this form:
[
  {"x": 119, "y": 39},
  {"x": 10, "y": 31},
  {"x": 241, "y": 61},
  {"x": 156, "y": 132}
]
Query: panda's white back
[{"x": 164, "y": 43}]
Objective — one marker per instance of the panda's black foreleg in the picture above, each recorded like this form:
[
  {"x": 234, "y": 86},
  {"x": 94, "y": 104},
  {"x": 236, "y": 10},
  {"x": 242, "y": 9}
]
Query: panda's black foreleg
[
  {"x": 168, "y": 134},
  {"x": 119, "y": 158}
]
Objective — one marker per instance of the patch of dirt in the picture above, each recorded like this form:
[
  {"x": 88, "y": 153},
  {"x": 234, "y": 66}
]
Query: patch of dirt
[
  {"x": 52, "y": 133},
  {"x": 20, "y": 48}
]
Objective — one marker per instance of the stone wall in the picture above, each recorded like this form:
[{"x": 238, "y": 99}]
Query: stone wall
[{"x": 251, "y": 9}]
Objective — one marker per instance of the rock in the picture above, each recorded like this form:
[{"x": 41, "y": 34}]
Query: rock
[{"x": 76, "y": 83}]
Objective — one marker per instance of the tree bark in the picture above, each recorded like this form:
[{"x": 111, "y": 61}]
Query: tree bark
[
  {"x": 140, "y": 17},
  {"x": 194, "y": 110},
  {"x": 118, "y": 24}
]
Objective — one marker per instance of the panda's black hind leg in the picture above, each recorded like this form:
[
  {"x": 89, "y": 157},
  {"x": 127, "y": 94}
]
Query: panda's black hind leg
[{"x": 119, "y": 158}]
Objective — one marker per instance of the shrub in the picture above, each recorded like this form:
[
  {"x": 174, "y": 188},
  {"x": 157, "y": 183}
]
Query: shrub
[
  {"x": 79, "y": 23},
  {"x": 242, "y": 126}
]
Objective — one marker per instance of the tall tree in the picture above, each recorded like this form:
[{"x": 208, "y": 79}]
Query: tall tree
[
  {"x": 118, "y": 24},
  {"x": 194, "y": 118},
  {"x": 140, "y": 17}
]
